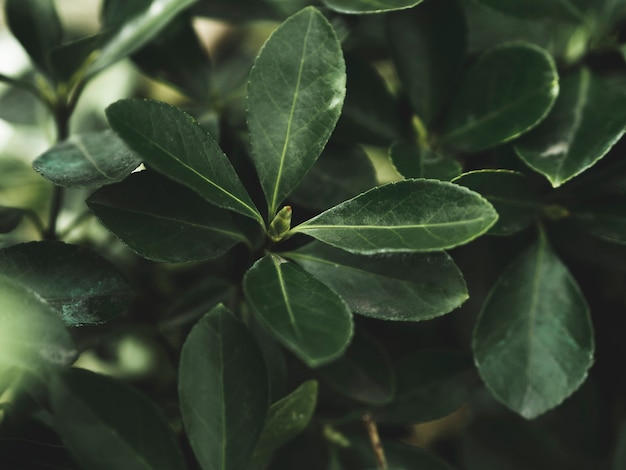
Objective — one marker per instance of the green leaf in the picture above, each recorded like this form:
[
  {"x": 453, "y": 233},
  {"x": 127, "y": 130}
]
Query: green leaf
[
  {"x": 136, "y": 30},
  {"x": 31, "y": 334},
  {"x": 303, "y": 314},
  {"x": 561, "y": 10},
  {"x": 341, "y": 172},
  {"x": 173, "y": 143},
  {"x": 415, "y": 161},
  {"x": 287, "y": 418},
  {"x": 619, "y": 457},
  {"x": 589, "y": 117},
  {"x": 506, "y": 92},
  {"x": 606, "y": 220},
  {"x": 163, "y": 221},
  {"x": 399, "y": 286},
  {"x": 299, "y": 80},
  {"x": 10, "y": 218},
  {"x": 69, "y": 61},
  {"x": 430, "y": 385},
  {"x": 81, "y": 287},
  {"x": 406, "y": 216},
  {"x": 20, "y": 106},
  {"x": 428, "y": 46},
  {"x": 364, "y": 373},
  {"x": 244, "y": 10},
  {"x": 533, "y": 340},
  {"x": 510, "y": 193},
  {"x": 106, "y": 424},
  {"x": 223, "y": 391},
  {"x": 87, "y": 160},
  {"x": 369, "y": 6},
  {"x": 37, "y": 27}
]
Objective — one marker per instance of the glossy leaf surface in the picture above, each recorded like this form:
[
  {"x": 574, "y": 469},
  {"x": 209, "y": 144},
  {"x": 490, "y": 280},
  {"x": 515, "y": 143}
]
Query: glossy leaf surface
[
  {"x": 506, "y": 92},
  {"x": 511, "y": 195},
  {"x": 533, "y": 341},
  {"x": 299, "y": 80},
  {"x": 589, "y": 117},
  {"x": 399, "y": 286},
  {"x": 410, "y": 215},
  {"x": 172, "y": 142},
  {"x": 606, "y": 221},
  {"x": 414, "y": 161},
  {"x": 164, "y": 221},
  {"x": 84, "y": 160},
  {"x": 307, "y": 317},
  {"x": 369, "y": 6},
  {"x": 10, "y": 217},
  {"x": 79, "y": 285},
  {"x": 223, "y": 391}
]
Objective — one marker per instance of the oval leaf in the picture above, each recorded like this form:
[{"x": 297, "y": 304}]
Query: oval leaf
[
  {"x": 81, "y": 287},
  {"x": 299, "y": 80},
  {"x": 406, "y": 216},
  {"x": 163, "y": 221},
  {"x": 533, "y": 341},
  {"x": 399, "y": 286},
  {"x": 106, "y": 424},
  {"x": 303, "y": 314},
  {"x": 416, "y": 161},
  {"x": 223, "y": 391},
  {"x": 173, "y": 143},
  {"x": 589, "y": 117},
  {"x": 87, "y": 160},
  {"x": 369, "y": 6},
  {"x": 506, "y": 92}
]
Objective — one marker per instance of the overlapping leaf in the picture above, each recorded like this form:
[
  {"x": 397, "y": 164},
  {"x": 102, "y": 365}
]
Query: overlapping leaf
[
  {"x": 415, "y": 161},
  {"x": 369, "y": 6}
]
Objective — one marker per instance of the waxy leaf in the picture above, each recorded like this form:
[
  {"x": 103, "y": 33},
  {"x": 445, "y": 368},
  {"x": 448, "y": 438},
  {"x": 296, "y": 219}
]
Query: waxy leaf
[
  {"x": 399, "y": 286},
  {"x": 84, "y": 160},
  {"x": 10, "y": 218},
  {"x": 303, "y": 314},
  {"x": 406, "y": 216},
  {"x": 509, "y": 192},
  {"x": 125, "y": 430},
  {"x": 223, "y": 391},
  {"x": 81, "y": 287},
  {"x": 173, "y": 143},
  {"x": 299, "y": 80},
  {"x": 589, "y": 117},
  {"x": 369, "y": 6},
  {"x": 415, "y": 161},
  {"x": 428, "y": 46},
  {"x": 533, "y": 341},
  {"x": 506, "y": 92},
  {"x": 164, "y": 221}
]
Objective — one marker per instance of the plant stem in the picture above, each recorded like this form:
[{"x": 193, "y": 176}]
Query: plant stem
[{"x": 377, "y": 447}]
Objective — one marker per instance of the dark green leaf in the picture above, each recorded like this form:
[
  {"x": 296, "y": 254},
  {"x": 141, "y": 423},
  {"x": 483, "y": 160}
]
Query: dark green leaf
[
  {"x": 115, "y": 13},
  {"x": 172, "y": 142},
  {"x": 10, "y": 218},
  {"x": 399, "y": 286},
  {"x": 589, "y": 117},
  {"x": 31, "y": 334},
  {"x": 302, "y": 313},
  {"x": 87, "y": 160},
  {"x": 407, "y": 216},
  {"x": 163, "y": 221},
  {"x": 244, "y": 10},
  {"x": 562, "y": 10},
  {"x": 511, "y": 195},
  {"x": 428, "y": 45},
  {"x": 287, "y": 418},
  {"x": 369, "y": 6},
  {"x": 619, "y": 456},
  {"x": 299, "y": 80},
  {"x": 533, "y": 341},
  {"x": 106, "y": 424},
  {"x": 21, "y": 106},
  {"x": 506, "y": 92},
  {"x": 341, "y": 172},
  {"x": 69, "y": 61},
  {"x": 80, "y": 286},
  {"x": 364, "y": 373},
  {"x": 36, "y": 25},
  {"x": 430, "y": 385},
  {"x": 606, "y": 220},
  {"x": 414, "y": 161},
  {"x": 223, "y": 391}
]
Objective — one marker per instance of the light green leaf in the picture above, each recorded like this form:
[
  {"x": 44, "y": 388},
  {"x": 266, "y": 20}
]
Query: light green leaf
[
  {"x": 506, "y": 92},
  {"x": 299, "y": 80},
  {"x": 533, "y": 341},
  {"x": 399, "y": 286},
  {"x": 369, "y": 6},
  {"x": 80, "y": 286},
  {"x": 106, "y": 424},
  {"x": 303, "y": 314},
  {"x": 173, "y": 143},
  {"x": 87, "y": 160},
  {"x": 223, "y": 391},
  {"x": 163, "y": 221},
  {"x": 415, "y": 161},
  {"x": 406, "y": 216},
  {"x": 589, "y": 117}
]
